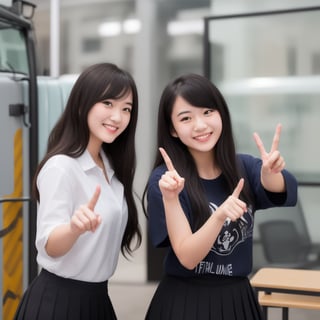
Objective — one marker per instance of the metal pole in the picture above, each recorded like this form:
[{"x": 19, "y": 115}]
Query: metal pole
[{"x": 55, "y": 38}]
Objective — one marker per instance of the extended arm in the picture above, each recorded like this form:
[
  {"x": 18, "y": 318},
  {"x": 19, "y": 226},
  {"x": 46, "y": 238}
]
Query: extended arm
[
  {"x": 63, "y": 237},
  {"x": 189, "y": 247}
]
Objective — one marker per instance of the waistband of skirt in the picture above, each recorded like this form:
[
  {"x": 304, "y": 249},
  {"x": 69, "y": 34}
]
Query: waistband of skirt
[
  {"x": 73, "y": 282},
  {"x": 209, "y": 280}
]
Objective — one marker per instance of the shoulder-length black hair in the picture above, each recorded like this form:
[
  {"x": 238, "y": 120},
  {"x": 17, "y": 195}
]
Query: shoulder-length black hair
[
  {"x": 70, "y": 135},
  {"x": 199, "y": 92}
]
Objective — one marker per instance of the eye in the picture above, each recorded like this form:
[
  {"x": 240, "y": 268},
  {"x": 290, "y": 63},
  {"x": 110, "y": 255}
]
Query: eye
[
  {"x": 127, "y": 109},
  {"x": 185, "y": 119},
  {"x": 209, "y": 111},
  {"x": 107, "y": 103}
]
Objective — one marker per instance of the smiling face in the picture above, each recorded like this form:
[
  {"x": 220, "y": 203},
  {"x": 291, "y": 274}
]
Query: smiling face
[
  {"x": 198, "y": 128},
  {"x": 108, "y": 119}
]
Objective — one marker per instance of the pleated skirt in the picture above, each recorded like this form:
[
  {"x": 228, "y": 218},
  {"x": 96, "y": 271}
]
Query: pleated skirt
[
  {"x": 50, "y": 297},
  {"x": 204, "y": 298}
]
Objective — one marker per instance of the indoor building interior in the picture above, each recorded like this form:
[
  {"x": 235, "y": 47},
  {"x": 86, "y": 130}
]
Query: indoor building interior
[{"x": 265, "y": 58}]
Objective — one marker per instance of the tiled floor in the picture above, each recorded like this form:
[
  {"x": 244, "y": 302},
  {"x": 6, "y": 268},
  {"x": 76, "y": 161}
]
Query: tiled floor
[{"x": 131, "y": 300}]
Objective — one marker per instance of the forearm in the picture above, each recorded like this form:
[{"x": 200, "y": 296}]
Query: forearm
[
  {"x": 273, "y": 182},
  {"x": 61, "y": 240},
  {"x": 190, "y": 248}
]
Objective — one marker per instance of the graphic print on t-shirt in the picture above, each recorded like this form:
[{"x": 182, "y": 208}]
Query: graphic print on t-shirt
[
  {"x": 223, "y": 259},
  {"x": 233, "y": 232}
]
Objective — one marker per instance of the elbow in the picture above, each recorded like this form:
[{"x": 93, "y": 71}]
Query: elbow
[
  {"x": 187, "y": 263},
  {"x": 190, "y": 266},
  {"x": 186, "y": 256},
  {"x": 52, "y": 253},
  {"x": 45, "y": 247}
]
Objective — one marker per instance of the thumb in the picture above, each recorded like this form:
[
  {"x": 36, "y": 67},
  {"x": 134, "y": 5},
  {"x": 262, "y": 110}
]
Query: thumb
[{"x": 238, "y": 188}]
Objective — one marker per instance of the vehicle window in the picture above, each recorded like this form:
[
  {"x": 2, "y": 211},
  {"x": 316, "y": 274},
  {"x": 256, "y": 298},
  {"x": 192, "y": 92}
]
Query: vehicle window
[{"x": 13, "y": 52}]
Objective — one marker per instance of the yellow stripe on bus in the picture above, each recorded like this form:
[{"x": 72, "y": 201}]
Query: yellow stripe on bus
[{"x": 12, "y": 241}]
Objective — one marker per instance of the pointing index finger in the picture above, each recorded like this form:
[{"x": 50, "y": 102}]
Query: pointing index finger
[
  {"x": 93, "y": 201},
  {"x": 167, "y": 159},
  {"x": 238, "y": 188}
]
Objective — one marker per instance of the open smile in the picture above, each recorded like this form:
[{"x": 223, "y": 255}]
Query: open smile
[
  {"x": 203, "y": 137},
  {"x": 111, "y": 127}
]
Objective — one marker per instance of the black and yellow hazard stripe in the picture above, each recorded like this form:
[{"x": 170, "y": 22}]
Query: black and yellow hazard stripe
[{"x": 12, "y": 237}]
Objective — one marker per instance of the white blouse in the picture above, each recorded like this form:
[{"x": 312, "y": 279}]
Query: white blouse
[{"x": 64, "y": 184}]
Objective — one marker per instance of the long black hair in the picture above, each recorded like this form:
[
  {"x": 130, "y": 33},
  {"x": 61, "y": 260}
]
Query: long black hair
[
  {"x": 70, "y": 135},
  {"x": 199, "y": 92}
]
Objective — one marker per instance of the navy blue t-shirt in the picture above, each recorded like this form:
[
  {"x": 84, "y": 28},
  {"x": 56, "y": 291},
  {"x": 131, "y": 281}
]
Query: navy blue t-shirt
[{"x": 231, "y": 253}]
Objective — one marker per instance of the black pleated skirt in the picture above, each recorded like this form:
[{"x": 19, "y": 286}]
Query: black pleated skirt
[
  {"x": 204, "y": 298},
  {"x": 50, "y": 297}
]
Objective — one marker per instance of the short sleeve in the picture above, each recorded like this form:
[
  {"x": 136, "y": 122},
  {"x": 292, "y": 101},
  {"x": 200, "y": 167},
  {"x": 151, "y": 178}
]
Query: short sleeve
[
  {"x": 55, "y": 206},
  {"x": 157, "y": 226},
  {"x": 156, "y": 217}
]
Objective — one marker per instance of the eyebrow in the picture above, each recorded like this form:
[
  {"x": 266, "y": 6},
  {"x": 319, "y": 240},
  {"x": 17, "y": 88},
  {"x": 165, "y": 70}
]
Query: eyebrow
[
  {"x": 183, "y": 112},
  {"x": 130, "y": 103}
]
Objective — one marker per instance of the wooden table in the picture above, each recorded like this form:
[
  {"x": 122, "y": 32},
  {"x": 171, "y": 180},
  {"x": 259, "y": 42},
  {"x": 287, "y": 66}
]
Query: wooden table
[{"x": 292, "y": 282}]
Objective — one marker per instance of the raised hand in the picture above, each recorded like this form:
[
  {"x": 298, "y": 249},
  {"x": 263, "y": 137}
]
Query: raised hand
[
  {"x": 171, "y": 184},
  {"x": 233, "y": 208},
  {"x": 84, "y": 218},
  {"x": 272, "y": 162}
]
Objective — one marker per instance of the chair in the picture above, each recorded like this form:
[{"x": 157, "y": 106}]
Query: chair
[{"x": 283, "y": 245}]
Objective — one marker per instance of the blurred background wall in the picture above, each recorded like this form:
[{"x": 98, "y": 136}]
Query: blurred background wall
[{"x": 157, "y": 40}]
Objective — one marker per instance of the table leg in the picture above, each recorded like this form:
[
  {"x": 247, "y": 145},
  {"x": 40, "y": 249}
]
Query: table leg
[
  {"x": 265, "y": 312},
  {"x": 285, "y": 313}
]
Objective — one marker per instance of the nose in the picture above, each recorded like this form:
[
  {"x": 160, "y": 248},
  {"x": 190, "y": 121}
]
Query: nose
[
  {"x": 199, "y": 124},
  {"x": 116, "y": 115}
]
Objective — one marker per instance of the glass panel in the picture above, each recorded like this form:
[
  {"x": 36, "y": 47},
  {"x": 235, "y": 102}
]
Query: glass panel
[
  {"x": 289, "y": 237},
  {"x": 13, "y": 52},
  {"x": 95, "y": 32},
  {"x": 267, "y": 67}
]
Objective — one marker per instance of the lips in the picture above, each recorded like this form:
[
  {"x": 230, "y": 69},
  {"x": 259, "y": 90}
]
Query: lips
[
  {"x": 203, "y": 137},
  {"x": 111, "y": 127}
]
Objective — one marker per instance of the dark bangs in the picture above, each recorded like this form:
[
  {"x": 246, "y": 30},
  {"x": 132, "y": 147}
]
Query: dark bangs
[
  {"x": 118, "y": 86},
  {"x": 101, "y": 82},
  {"x": 198, "y": 92}
]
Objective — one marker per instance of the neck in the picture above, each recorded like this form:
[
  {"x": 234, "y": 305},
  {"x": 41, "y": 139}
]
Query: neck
[
  {"x": 206, "y": 165},
  {"x": 99, "y": 162},
  {"x": 94, "y": 147}
]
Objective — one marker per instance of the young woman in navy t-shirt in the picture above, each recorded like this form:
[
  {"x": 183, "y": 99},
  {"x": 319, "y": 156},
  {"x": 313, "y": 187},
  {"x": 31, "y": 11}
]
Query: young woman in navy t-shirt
[{"x": 201, "y": 199}]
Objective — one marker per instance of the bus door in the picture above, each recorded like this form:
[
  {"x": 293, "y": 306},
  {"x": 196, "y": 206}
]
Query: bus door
[{"x": 17, "y": 100}]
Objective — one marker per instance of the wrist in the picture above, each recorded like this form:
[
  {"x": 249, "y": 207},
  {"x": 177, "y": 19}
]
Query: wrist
[{"x": 74, "y": 231}]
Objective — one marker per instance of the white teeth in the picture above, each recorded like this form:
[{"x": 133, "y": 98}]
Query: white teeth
[
  {"x": 203, "y": 137},
  {"x": 110, "y": 127}
]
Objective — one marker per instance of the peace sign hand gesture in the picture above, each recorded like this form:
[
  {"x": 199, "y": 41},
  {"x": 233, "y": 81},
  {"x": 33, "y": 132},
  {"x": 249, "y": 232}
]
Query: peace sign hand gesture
[
  {"x": 84, "y": 218},
  {"x": 171, "y": 184},
  {"x": 272, "y": 162}
]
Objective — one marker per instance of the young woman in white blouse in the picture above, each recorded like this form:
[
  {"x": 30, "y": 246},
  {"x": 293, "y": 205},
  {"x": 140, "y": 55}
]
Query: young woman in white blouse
[{"x": 86, "y": 212}]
